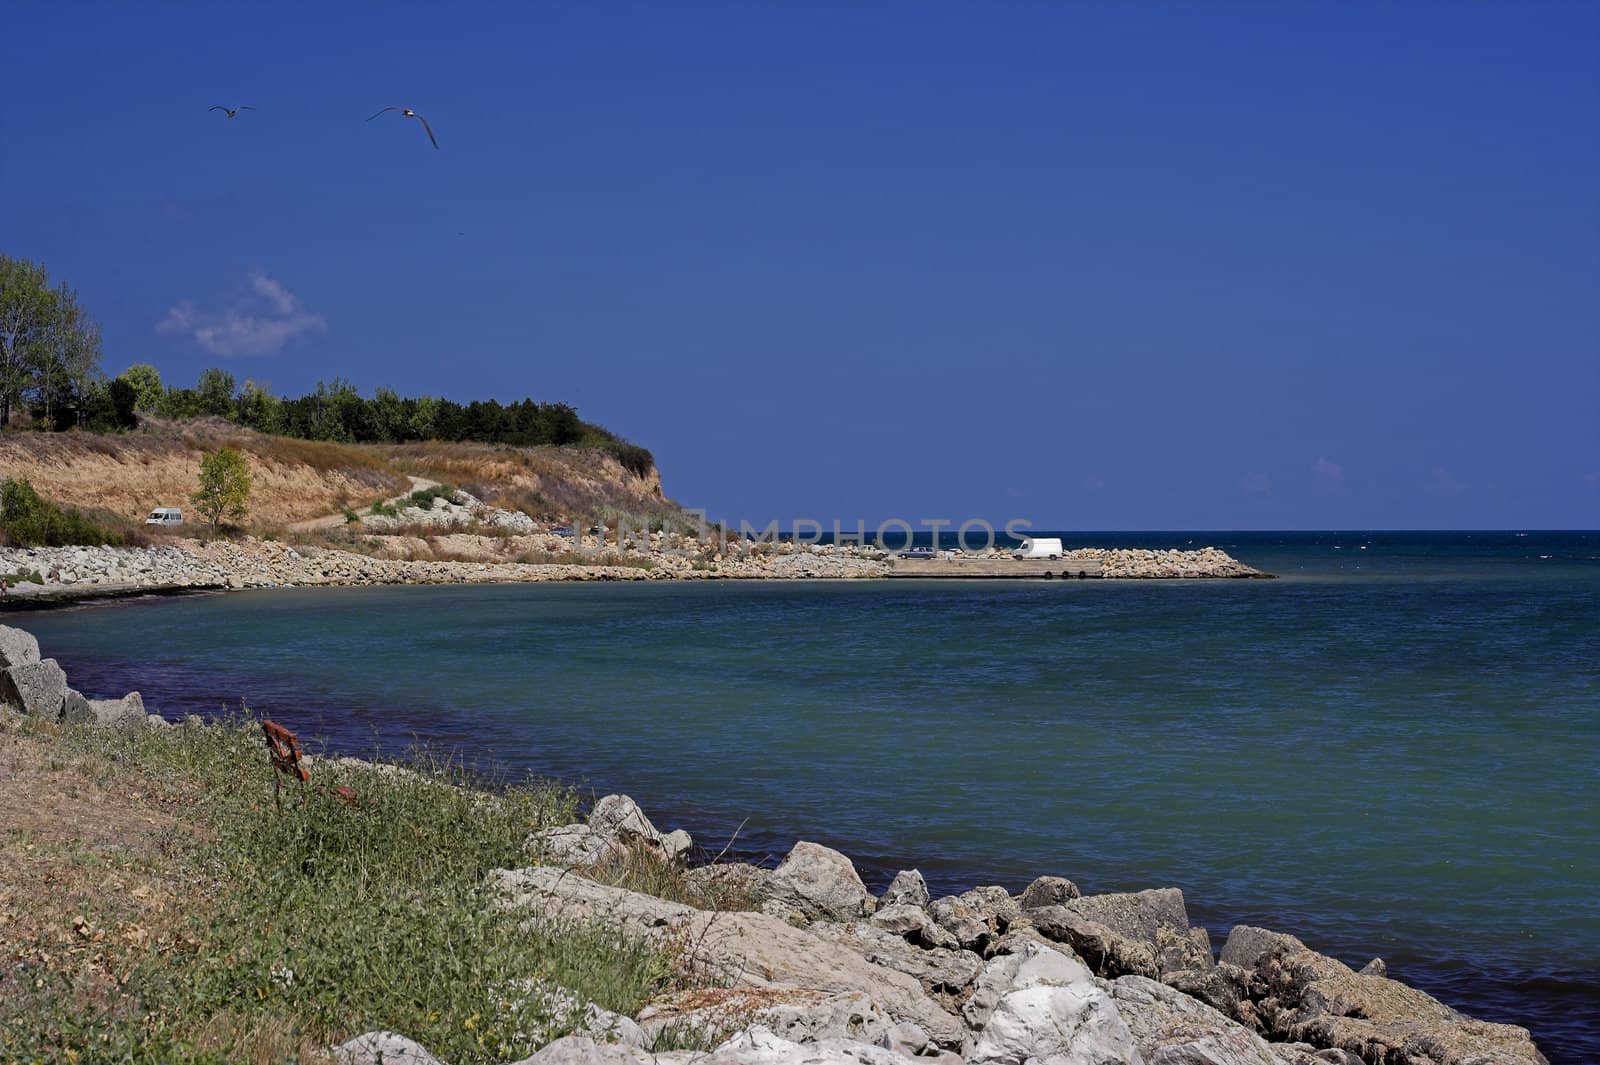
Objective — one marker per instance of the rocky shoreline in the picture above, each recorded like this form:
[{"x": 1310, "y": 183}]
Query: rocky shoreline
[
  {"x": 805, "y": 966},
  {"x": 86, "y": 572}
]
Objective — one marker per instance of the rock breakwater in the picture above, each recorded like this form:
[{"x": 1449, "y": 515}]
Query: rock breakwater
[{"x": 71, "y": 572}]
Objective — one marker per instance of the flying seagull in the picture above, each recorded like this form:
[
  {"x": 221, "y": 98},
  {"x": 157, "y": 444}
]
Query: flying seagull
[
  {"x": 232, "y": 112},
  {"x": 406, "y": 112}
]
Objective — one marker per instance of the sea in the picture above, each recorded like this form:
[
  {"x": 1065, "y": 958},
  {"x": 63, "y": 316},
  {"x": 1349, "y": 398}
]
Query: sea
[{"x": 1392, "y": 750}]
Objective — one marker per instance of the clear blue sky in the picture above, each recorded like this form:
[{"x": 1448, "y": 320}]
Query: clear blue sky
[{"x": 1134, "y": 265}]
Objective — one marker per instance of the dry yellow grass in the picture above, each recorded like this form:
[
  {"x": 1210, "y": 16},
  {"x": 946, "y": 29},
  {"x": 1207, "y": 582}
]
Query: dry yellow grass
[{"x": 129, "y": 473}]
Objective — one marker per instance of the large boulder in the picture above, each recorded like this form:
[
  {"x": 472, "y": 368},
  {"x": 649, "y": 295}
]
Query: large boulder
[
  {"x": 801, "y": 1016},
  {"x": 75, "y": 709},
  {"x": 1109, "y": 954},
  {"x": 1224, "y": 987},
  {"x": 38, "y": 689},
  {"x": 1171, "y": 1028},
  {"x": 820, "y": 882},
  {"x": 568, "y": 896},
  {"x": 1308, "y": 997},
  {"x": 756, "y": 950},
  {"x": 1041, "y": 1006},
  {"x": 1048, "y": 891},
  {"x": 619, "y": 816},
  {"x": 1142, "y": 933},
  {"x": 615, "y": 828},
  {"x": 17, "y": 647},
  {"x": 976, "y": 917},
  {"x": 759, "y": 1046},
  {"x": 126, "y": 713},
  {"x": 945, "y": 974},
  {"x": 908, "y": 888},
  {"x": 912, "y": 924},
  {"x": 571, "y": 846},
  {"x": 729, "y": 949},
  {"x": 676, "y": 846}
]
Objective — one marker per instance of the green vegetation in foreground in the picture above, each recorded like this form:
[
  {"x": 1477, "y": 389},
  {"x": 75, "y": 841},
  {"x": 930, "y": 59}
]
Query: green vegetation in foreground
[
  {"x": 299, "y": 930},
  {"x": 27, "y": 519}
]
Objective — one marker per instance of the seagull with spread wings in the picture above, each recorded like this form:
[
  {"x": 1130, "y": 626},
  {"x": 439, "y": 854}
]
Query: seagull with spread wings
[
  {"x": 406, "y": 112},
  {"x": 232, "y": 112}
]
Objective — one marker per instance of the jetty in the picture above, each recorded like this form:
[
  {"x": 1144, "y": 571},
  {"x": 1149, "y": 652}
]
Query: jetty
[{"x": 966, "y": 567}]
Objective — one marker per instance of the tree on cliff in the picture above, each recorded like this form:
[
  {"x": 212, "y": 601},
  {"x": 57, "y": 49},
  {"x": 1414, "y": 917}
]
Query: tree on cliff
[
  {"x": 145, "y": 380},
  {"x": 224, "y": 491},
  {"x": 24, "y": 314},
  {"x": 49, "y": 345}
]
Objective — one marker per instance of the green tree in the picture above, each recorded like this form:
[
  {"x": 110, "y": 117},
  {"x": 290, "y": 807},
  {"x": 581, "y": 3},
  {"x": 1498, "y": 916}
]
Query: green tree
[
  {"x": 179, "y": 403},
  {"x": 49, "y": 344},
  {"x": 388, "y": 415},
  {"x": 123, "y": 401},
  {"x": 25, "y": 306},
  {"x": 146, "y": 382},
  {"x": 258, "y": 408},
  {"x": 422, "y": 419},
  {"x": 224, "y": 491},
  {"x": 68, "y": 360},
  {"x": 215, "y": 389}
]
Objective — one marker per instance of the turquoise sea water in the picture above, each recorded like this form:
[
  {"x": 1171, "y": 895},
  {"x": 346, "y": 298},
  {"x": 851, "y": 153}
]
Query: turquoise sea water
[{"x": 1393, "y": 750}]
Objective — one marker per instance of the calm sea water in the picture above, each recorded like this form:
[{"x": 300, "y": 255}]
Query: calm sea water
[{"x": 1394, "y": 750}]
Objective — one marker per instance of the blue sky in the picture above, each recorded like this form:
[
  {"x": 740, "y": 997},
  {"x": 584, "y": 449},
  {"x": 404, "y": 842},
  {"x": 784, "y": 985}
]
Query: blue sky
[{"x": 1135, "y": 265}]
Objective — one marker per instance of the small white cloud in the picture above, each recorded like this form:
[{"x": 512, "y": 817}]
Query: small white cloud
[
  {"x": 259, "y": 322},
  {"x": 1592, "y": 480},
  {"x": 1328, "y": 471}
]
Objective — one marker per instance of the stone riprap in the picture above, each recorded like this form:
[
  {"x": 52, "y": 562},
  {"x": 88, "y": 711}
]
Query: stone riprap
[
  {"x": 37, "y": 688},
  {"x": 1047, "y": 976},
  {"x": 71, "y": 572}
]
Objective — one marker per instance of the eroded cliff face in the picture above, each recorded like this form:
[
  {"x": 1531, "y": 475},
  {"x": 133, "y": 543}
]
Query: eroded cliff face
[
  {"x": 299, "y": 480},
  {"x": 129, "y": 473},
  {"x": 566, "y": 480}
]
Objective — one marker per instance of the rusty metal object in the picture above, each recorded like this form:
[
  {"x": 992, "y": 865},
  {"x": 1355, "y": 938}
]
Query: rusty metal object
[
  {"x": 285, "y": 751},
  {"x": 284, "y": 748}
]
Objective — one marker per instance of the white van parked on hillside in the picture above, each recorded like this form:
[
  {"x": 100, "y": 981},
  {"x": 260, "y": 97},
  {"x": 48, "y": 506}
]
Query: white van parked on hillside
[
  {"x": 1047, "y": 547},
  {"x": 165, "y": 516}
]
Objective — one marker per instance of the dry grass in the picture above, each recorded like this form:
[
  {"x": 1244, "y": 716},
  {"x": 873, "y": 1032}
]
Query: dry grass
[
  {"x": 642, "y": 870},
  {"x": 87, "y": 890},
  {"x": 127, "y": 474},
  {"x": 540, "y": 481}
]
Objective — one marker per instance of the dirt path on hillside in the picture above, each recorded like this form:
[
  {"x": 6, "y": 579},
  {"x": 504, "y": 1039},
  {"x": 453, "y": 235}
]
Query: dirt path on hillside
[{"x": 333, "y": 521}]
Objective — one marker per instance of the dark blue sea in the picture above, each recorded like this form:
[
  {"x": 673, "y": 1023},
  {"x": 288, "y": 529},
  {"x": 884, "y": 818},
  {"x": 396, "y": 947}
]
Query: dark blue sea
[{"x": 1393, "y": 750}]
